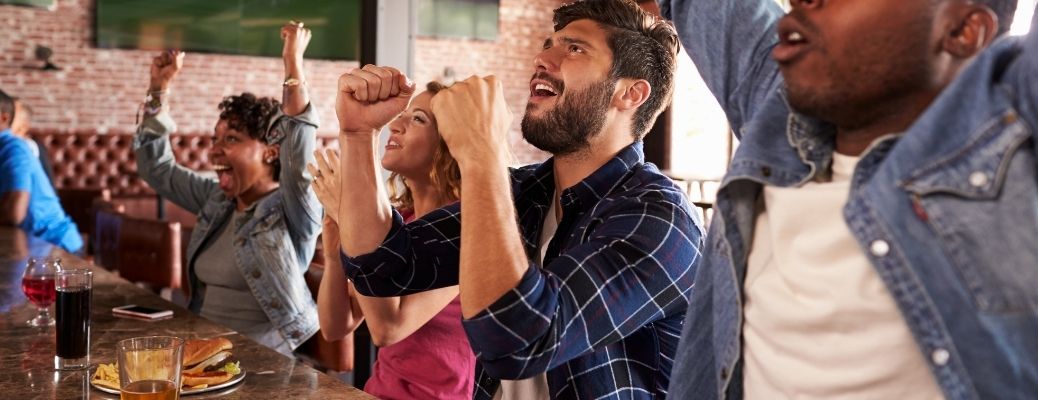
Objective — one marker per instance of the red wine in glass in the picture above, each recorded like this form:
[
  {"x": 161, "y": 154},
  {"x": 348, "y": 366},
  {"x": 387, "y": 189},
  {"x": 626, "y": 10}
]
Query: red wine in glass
[
  {"x": 39, "y": 290},
  {"x": 38, "y": 286}
]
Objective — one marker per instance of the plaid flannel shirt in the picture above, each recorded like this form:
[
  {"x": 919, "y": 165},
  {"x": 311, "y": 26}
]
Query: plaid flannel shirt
[{"x": 602, "y": 316}]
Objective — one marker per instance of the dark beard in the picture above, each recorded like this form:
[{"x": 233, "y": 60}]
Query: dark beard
[{"x": 567, "y": 128}]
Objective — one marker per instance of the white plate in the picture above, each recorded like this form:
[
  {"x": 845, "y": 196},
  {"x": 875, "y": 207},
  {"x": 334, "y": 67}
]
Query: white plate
[{"x": 233, "y": 381}]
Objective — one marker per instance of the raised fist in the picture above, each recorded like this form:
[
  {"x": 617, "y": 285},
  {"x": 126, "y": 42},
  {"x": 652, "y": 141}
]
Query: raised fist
[
  {"x": 296, "y": 38},
  {"x": 370, "y": 97},
  {"x": 164, "y": 67},
  {"x": 473, "y": 118}
]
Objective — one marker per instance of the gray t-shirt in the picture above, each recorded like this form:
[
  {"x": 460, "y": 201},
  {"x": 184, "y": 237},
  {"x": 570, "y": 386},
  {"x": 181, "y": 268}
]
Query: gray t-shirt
[{"x": 227, "y": 297}]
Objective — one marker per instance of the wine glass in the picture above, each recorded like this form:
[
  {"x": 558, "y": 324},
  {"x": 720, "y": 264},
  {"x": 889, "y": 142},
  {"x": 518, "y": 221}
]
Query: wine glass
[{"x": 38, "y": 286}]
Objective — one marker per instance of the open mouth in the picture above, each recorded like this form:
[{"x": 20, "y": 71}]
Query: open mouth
[
  {"x": 223, "y": 174},
  {"x": 542, "y": 90},
  {"x": 793, "y": 43},
  {"x": 392, "y": 144},
  {"x": 543, "y": 86}
]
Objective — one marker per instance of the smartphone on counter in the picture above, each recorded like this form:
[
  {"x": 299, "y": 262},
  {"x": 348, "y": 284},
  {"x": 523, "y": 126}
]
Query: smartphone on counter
[{"x": 136, "y": 311}]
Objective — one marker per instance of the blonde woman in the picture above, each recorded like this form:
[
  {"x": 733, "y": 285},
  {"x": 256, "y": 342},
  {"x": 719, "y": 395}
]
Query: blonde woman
[{"x": 424, "y": 353}]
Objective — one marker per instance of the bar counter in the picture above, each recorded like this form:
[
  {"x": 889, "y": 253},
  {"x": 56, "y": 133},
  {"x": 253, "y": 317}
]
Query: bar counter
[{"x": 27, "y": 355}]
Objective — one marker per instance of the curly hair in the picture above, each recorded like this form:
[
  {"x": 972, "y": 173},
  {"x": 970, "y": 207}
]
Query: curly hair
[
  {"x": 445, "y": 174},
  {"x": 250, "y": 115}
]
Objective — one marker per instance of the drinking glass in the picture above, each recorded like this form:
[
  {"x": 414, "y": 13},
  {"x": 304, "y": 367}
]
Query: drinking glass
[
  {"x": 149, "y": 368},
  {"x": 38, "y": 286},
  {"x": 75, "y": 291}
]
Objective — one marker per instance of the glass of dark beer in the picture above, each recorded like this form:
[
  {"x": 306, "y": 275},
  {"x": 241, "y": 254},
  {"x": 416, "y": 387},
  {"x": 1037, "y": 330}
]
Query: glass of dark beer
[{"x": 74, "y": 289}]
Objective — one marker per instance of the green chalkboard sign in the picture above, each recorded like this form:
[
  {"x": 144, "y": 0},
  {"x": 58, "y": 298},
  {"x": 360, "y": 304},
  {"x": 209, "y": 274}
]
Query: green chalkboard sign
[
  {"x": 246, "y": 27},
  {"x": 48, "y": 4}
]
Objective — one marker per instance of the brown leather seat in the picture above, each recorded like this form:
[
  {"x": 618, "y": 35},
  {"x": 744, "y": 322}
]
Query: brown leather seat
[
  {"x": 105, "y": 237},
  {"x": 89, "y": 160},
  {"x": 149, "y": 252},
  {"x": 78, "y": 203}
]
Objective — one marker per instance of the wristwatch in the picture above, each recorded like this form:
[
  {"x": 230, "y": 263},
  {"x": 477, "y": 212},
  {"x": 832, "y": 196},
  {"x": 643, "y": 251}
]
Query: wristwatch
[{"x": 292, "y": 82}]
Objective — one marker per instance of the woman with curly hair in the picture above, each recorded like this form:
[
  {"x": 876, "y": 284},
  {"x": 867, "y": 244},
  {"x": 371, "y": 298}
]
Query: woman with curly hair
[
  {"x": 424, "y": 353},
  {"x": 258, "y": 221}
]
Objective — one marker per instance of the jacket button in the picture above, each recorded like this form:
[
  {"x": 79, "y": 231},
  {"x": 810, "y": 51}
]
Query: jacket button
[
  {"x": 766, "y": 171},
  {"x": 256, "y": 274},
  {"x": 940, "y": 357},
  {"x": 879, "y": 248},
  {"x": 978, "y": 179},
  {"x": 296, "y": 334},
  {"x": 275, "y": 304},
  {"x": 724, "y": 373}
]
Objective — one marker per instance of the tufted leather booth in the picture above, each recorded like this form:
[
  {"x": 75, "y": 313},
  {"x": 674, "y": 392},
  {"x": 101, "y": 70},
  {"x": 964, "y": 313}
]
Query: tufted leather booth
[
  {"x": 88, "y": 160},
  {"x": 91, "y": 160}
]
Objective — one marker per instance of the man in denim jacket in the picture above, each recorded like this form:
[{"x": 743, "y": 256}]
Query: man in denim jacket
[{"x": 875, "y": 236}]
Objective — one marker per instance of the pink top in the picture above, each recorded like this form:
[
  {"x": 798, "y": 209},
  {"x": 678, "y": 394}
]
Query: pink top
[{"x": 434, "y": 362}]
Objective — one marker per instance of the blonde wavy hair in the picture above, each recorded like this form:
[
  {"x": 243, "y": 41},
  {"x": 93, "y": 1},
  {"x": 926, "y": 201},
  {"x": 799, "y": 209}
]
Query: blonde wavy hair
[{"x": 445, "y": 174}]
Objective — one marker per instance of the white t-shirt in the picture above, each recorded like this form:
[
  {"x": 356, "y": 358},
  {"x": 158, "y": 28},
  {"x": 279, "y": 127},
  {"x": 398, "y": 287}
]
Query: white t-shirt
[
  {"x": 819, "y": 323},
  {"x": 534, "y": 387}
]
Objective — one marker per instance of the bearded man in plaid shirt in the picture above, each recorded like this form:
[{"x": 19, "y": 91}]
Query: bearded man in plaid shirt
[{"x": 575, "y": 273}]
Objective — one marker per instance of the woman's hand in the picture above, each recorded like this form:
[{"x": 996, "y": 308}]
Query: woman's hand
[
  {"x": 164, "y": 68},
  {"x": 370, "y": 97},
  {"x": 296, "y": 39},
  {"x": 326, "y": 181}
]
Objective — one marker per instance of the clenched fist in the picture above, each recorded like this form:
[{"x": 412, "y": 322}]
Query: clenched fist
[
  {"x": 296, "y": 39},
  {"x": 370, "y": 97},
  {"x": 474, "y": 119},
  {"x": 164, "y": 68}
]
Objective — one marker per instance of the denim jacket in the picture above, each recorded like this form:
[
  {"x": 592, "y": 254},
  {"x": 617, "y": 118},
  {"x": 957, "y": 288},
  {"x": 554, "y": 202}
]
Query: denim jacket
[
  {"x": 275, "y": 239},
  {"x": 946, "y": 212}
]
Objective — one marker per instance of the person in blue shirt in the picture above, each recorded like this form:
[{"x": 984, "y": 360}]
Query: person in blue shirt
[
  {"x": 27, "y": 199},
  {"x": 875, "y": 235}
]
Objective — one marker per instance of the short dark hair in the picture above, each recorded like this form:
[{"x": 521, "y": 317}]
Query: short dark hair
[
  {"x": 1005, "y": 10},
  {"x": 643, "y": 46},
  {"x": 7, "y": 104},
  {"x": 250, "y": 115}
]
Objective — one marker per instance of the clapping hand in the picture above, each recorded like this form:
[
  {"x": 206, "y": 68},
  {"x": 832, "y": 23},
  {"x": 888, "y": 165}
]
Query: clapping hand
[{"x": 326, "y": 181}]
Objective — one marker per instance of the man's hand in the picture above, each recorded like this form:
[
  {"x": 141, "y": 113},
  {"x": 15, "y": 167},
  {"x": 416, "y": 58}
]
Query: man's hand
[
  {"x": 326, "y": 182},
  {"x": 473, "y": 118},
  {"x": 296, "y": 39},
  {"x": 369, "y": 98},
  {"x": 164, "y": 68}
]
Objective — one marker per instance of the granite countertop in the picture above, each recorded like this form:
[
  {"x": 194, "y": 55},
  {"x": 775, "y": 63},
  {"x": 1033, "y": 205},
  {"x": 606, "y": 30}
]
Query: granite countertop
[{"x": 27, "y": 360}]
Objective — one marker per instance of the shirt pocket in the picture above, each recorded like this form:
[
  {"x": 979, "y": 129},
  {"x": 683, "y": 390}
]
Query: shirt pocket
[{"x": 982, "y": 203}]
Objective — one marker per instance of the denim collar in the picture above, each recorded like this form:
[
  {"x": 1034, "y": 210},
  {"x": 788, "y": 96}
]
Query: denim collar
[{"x": 814, "y": 141}]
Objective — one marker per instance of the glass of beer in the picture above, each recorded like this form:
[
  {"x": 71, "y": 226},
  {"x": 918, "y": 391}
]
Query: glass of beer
[
  {"x": 74, "y": 289},
  {"x": 149, "y": 368}
]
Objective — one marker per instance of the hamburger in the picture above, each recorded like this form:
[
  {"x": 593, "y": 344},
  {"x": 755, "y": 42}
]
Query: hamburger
[{"x": 207, "y": 362}]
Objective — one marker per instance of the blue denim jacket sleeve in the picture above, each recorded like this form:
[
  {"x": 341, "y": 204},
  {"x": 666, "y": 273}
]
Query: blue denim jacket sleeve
[
  {"x": 730, "y": 42},
  {"x": 302, "y": 208},
  {"x": 1025, "y": 74},
  {"x": 157, "y": 166}
]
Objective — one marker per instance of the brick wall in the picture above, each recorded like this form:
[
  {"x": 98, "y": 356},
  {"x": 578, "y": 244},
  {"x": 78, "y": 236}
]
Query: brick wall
[
  {"x": 99, "y": 89},
  {"x": 523, "y": 26}
]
